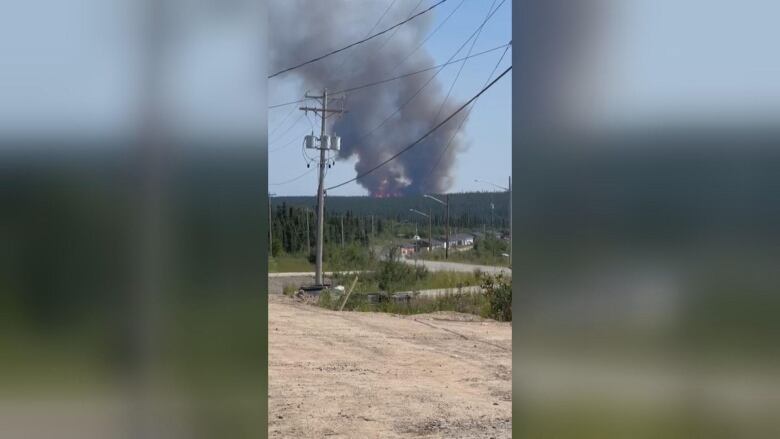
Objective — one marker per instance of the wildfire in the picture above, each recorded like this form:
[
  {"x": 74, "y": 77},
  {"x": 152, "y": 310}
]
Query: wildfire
[
  {"x": 384, "y": 191},
  {"x": 385, "y": 194}
]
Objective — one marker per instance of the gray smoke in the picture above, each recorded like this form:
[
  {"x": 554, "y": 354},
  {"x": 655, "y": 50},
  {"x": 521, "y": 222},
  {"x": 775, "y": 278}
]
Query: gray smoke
[{"x": 303, "y": 29}]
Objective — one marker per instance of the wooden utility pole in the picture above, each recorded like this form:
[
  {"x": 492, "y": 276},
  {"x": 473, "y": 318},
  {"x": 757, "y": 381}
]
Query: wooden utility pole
[
  {"x": 446, "y": 204},
  {"x": 430, "y": 230},
  {"x": 447, "y": 227},
  {"x": 509, "y": 190},
  {"x": 323, "y": 111},
  {"x": 308, "y": 243},
  {"x": 270, "y": 226}
]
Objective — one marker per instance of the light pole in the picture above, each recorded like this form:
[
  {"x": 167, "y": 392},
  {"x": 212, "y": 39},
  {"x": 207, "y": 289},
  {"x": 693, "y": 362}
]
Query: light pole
[
  {"x": 430, "y": 228},
  {"x": 509, "y": 192},
  {"x": 270, "y": 226},
  {"x": 446, "y": 204},
  {"x": 306, "y": 210}
]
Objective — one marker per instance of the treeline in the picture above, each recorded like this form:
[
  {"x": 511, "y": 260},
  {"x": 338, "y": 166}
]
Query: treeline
[
  {"x": 468, "y": 210},
  {"x": 294, "y": 229}
]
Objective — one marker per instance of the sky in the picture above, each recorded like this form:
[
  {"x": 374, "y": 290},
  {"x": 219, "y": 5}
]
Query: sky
[
  {"x": 73, "y": 71},
  {"x": 488, "y": 129}
]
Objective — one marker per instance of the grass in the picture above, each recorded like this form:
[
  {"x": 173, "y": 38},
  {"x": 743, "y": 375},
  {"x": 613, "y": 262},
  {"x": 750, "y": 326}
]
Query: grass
[
  {"x": 467, "y": 257},
  {"x": 369, "y": 282},
  {"x": 469, "y": 303},
  {"x": 494, "y": 302},
  {"x": 289, "y": 263},
  {"x": 289, "y": 290}
]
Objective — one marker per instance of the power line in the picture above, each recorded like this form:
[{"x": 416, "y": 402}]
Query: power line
[
  {"x": 357, "y": 42},
  {"x": 457, "y": 76},
  {"x": 387, "y": 41},
  {"x": 390, "y": 6},
  {"x": 414, "y": 95},
  {"x": 394, "y": 78},
  {"x": 373, "y": 28},
  {"x": 288, "y": 129},
  {"x": 428, "y": 37},
  {"x": 292, "y": 179},
  {"x": 348, "y": 90},
  {"x": 416, "y": 142},
  {"x": 281, "y": 122},
  {"x": 389, "y": 38},
  {"x": 286, "y": 144},
  {"x": 455, "y": 133}
]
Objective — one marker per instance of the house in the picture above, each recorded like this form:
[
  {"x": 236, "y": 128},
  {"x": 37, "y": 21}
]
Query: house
[
  {"x": 407, "y": 249},
  {"x": 423, "y": 244},
  {"x": 461, "y": 240}
]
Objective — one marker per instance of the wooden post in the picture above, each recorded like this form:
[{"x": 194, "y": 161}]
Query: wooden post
[{"x": 346, "y": 297}]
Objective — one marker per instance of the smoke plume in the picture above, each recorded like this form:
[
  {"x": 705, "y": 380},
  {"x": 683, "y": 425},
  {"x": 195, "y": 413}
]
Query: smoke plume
[{"x": 303, "y": 29}]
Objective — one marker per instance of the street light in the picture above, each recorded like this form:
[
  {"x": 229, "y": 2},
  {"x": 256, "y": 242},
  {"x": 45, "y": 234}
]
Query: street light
[
  {"x": 492, "y": 184},
  {"x": 430, "y": 228},
  {"x": 446, "y": 204},
  {"x": 270, "y": 226},
  {"x": 509, "y": 190}
]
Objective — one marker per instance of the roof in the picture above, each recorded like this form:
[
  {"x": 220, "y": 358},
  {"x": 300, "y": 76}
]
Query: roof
[{"x": 461, "y": 237}]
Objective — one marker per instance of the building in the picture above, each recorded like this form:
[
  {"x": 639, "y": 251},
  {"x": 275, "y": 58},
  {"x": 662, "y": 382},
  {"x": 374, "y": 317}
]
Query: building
[
  {"x": 407, "y": 249},
  {"x": 461, "y": 240},
  {"x": 423, "y": 244}
]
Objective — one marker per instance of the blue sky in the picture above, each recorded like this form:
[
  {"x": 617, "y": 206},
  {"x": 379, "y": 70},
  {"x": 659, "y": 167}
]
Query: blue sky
[
  {"x": 74, "y": 71},
  {"x": 488, "y": 129}
]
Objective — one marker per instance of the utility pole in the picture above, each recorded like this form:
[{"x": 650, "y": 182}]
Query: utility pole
[
  {"x": 446, "y": 204},
  {"x": 270, "y": 226},
  {"x": 430, "y": 227},
  {"x": 308, "y": 243},
  {"x": 509, "y": 189},
  {"x": 324, "y": 145},
  {"x": 342, "y": 231},
  {"x": 447, "y": 227}
]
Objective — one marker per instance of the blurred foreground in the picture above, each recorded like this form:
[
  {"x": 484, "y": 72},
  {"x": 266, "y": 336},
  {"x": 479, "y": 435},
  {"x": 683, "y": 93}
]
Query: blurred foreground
[{"x": 132, "y": 270}]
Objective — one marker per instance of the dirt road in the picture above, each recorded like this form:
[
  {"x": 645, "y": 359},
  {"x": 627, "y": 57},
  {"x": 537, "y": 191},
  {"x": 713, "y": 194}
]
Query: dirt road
[{"x": 372, "y": 375}]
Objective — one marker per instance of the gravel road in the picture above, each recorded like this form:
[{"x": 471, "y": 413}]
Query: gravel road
[{"x": 372, "y": 375}]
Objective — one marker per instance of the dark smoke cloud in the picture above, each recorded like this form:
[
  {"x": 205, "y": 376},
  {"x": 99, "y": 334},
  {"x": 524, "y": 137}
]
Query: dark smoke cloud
[{"x": 303, "y": 29}]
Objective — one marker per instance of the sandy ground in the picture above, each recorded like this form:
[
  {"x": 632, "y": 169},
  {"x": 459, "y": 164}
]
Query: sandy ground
[{"x": 372, "y": 375}]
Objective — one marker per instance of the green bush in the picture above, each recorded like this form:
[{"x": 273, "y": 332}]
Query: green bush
[
  {"x": 498, "y": 292},
  {"x": 326, "y": 300},
  {"x": 394, "y": 275}
]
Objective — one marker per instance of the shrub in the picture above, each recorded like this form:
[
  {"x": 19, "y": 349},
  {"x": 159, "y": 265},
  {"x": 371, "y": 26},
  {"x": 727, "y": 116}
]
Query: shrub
[
  {"x": 289, "y": 290},
  {"x": 326, "y": 300},
  {"x": 394, "y": 275},
  {"x": 498, "y": 292}
]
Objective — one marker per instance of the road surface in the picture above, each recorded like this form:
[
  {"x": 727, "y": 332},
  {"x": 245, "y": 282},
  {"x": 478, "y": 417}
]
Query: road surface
[
  {"x": 457, "y": 266},
  {"x": 373, "y": 375}
]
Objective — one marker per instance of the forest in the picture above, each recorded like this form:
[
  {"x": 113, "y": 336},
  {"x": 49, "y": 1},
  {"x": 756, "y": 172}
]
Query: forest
[{"x": 367, "y": 222}]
